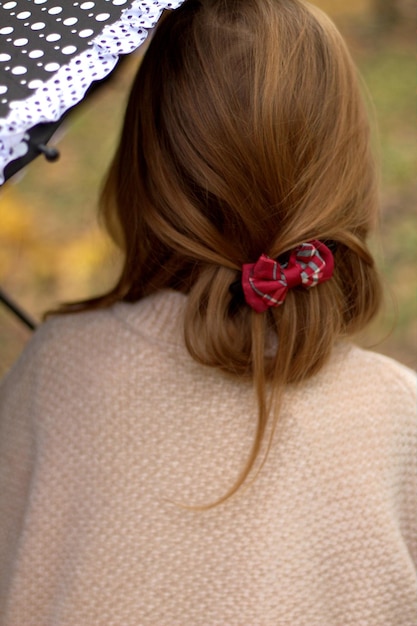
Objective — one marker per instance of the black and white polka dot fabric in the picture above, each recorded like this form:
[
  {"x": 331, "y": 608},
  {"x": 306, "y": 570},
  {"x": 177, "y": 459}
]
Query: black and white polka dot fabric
[{"x": 52, "y": 50}]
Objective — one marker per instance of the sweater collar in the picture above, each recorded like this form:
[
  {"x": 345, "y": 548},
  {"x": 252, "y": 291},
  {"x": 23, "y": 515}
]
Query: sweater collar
[{"x": 159, "y": 316}]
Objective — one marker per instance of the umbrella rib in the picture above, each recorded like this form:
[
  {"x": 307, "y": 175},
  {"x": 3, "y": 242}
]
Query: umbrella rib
[{"x": 16, "y": 310}]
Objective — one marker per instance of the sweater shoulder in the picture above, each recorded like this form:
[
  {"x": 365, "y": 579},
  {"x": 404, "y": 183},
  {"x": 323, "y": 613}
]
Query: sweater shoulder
[
  {"x": 62, "y": 342},
  {"x": 368, "y": 386},
  {"x": 385, "y": 374},
  {"x": 60, "y": 329}
]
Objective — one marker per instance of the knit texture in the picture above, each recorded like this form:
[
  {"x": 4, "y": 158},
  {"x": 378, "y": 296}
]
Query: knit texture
[{"x": 108, "y": 427}]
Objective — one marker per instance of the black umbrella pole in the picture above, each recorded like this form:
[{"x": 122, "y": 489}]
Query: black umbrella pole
[{"x": 16, "y": 310}]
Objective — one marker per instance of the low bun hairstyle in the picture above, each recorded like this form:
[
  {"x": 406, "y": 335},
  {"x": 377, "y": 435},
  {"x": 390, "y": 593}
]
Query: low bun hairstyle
[{"x": 246, "y": 133}]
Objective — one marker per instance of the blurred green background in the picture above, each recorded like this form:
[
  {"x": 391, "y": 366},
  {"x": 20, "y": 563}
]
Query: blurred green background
[{"x": 52, "y": 248}]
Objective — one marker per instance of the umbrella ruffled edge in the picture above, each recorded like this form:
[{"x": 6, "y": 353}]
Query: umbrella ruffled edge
[{"x": 49, "y": 102}]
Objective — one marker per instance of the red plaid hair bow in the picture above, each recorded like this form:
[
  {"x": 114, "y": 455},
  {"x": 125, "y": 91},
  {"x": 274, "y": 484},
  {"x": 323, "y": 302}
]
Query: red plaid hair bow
[{"x": 266, "y": 282}]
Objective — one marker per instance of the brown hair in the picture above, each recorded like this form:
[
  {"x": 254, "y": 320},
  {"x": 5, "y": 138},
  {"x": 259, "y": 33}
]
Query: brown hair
[{"x": 246, "y": 133}]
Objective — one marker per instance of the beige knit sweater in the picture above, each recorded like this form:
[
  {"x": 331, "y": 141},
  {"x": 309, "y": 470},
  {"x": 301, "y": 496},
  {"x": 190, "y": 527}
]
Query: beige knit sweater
[{"x": 106, "y": 420}]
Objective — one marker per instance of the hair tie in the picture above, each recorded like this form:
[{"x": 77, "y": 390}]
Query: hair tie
[{"x": 266, "y": 282}]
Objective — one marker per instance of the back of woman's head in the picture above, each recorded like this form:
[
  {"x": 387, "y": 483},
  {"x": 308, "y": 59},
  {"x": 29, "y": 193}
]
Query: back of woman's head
[{"x": 246, "y": 133}]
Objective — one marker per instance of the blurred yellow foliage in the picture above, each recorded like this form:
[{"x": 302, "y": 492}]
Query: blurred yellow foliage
[
  {"x": 17, "y": 222},
  {"x": 17, "y": 230},
  {"x": 29, "y": 258},
  {"x": 79, "y": 260}
]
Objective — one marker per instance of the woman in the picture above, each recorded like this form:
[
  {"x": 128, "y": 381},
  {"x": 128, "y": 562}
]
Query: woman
[{"x": 203, "y": 445}]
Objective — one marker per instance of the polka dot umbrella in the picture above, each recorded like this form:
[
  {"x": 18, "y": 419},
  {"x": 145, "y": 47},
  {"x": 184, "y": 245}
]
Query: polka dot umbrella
[{"x": 52, "y": 54}]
